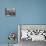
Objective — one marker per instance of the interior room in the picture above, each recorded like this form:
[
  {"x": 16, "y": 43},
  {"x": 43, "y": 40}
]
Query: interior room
[{"x": 27, "y": 12}]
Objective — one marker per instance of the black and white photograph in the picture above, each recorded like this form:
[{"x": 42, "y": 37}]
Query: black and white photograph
[{"x": 10, "y": 11}]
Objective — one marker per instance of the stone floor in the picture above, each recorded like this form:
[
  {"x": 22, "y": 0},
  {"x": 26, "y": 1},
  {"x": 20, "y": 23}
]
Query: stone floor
[
  {"x": 28, "y": 43},
  {"x": 34, "y": 43},
  {"x": 7, "y": 45}
]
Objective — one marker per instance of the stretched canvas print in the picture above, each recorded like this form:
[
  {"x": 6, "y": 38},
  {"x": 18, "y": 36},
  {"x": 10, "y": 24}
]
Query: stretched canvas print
[
  {"x": 30, "y": 33},
  {"x": 10, "y": 11}
]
